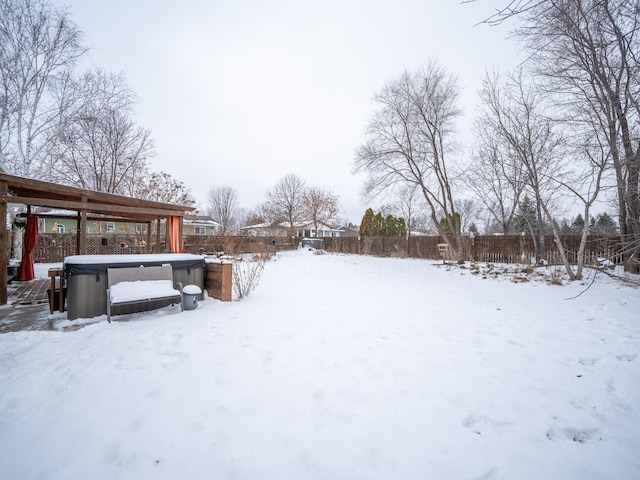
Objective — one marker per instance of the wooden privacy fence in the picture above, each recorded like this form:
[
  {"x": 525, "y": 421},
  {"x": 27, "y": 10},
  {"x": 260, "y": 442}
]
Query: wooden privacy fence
[
  {"x": 54, "y": 247},
  {"x": 520, "y": 249},
  {"x": 233, "y": 244},
  {"x": 493, "y": 249}
]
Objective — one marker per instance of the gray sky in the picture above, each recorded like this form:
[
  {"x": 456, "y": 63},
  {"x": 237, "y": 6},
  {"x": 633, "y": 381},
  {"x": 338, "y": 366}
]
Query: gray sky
[{"x": 240, "y": 93}]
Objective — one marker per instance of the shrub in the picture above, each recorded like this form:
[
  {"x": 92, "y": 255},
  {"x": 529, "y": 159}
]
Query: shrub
[
  {"x": 246, "y": 274},
  {"x": 247, "y": 271},
  {"x": 556, "y": 275}
]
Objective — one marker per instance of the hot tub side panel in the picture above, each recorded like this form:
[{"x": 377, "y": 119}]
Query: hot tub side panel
[
  {"x": 192, "y": 276},
  {"x": 86, "y": 295}
]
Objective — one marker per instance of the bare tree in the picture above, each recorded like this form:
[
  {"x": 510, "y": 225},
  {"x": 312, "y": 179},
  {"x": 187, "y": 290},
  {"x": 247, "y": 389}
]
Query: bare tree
[
  {"x": 409, "y": 205},
  {"x": 286, "y": 200},
  {"x": 251, "y": 216},
  {"x": 517, "y": 119},
  {"x": 99, "y": 146},
  {"x": 588, "y": 52},
  {"x": 525, "y": 139},
  {"x": 222, "y": 205},
  {"x": 408, "y": 141},
  {"x": 320, "y": 206},
  {"x": 497, "y": 182},
  {"x": 510, "y": 9},
  {"x": 38, "y": 41},
  {"x": 587, "y": 184},
  {"x": 161, "y": 187},
  {"x": 469, "y": 213}
]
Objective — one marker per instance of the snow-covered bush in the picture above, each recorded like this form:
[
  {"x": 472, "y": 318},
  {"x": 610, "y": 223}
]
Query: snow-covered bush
[
  {"x": 247, "y": 270},
  {"x": 605, "y": 263},
  {"x": 555, "y": 275},
  {"x": 247, "y": 267}
]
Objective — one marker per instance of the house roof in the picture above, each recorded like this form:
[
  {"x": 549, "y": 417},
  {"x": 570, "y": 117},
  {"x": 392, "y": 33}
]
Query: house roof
[
  {"x": 309, "y": 223},
  {"x": 201, "y": 220},
  {"x": 302, "y": 224},
  {"x": 261, "y": 225}
]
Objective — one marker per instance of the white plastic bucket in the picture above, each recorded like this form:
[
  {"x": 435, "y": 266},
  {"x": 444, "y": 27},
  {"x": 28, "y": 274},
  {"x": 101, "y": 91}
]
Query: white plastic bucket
[{"x": 190, "y": 295}]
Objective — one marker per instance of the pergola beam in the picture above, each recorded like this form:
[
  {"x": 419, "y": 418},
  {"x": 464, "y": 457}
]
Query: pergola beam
[{"x": 132, "y": 211}]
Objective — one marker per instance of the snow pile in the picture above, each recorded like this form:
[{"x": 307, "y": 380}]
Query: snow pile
[
  {"x": 336, "y": 367},
  {"x": 131, "y": 291}
]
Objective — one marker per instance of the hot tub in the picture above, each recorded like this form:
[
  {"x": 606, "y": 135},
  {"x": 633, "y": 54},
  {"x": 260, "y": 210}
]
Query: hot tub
[{"x": 86, "y": 277}]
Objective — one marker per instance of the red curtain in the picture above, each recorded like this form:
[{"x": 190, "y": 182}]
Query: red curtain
[
  {"x": 25, "y": 271},
  {"x": 175, "y": 240}
]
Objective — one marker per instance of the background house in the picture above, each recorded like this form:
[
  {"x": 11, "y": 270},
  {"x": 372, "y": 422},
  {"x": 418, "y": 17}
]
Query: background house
[
  {"x": 346, "y": 231},
  {"x": 64, "y": 221},
  {"x": 264, "y": 230},
  {"x": 303, "y": 229},
  {"x": 308, "y": 230},
  {"x": 200, "y": 225}
]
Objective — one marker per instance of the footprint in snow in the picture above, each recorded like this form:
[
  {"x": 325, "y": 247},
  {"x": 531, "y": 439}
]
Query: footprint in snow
[
  {"x": 627, "y": 357},
  {"x": 480, "y": 424},
  {"x": 493, "y": 474},
  {"x": 578, "y": 435},
  {"x": 588, "y": 361}
]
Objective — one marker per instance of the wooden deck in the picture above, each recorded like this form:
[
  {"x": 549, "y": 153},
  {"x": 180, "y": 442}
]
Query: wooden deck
[
  {"x": 29, "y": 307},
  {"x": 32, "y": 291}
]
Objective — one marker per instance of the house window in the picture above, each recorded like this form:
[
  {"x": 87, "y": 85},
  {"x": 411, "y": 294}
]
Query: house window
[
  {"x": 59, "y": 228},
  {"x": 140, "y": 228},
  {"x": 111, "y": 227},
  {"x": 201, "y": 230}
]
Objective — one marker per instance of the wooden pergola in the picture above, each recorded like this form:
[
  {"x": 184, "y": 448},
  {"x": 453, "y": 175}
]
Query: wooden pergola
[{"x": 29, "y": 192}]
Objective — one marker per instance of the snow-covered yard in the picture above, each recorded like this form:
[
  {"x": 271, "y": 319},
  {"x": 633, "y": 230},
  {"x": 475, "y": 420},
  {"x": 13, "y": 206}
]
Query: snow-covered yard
[{"x": 337, "y": 367}]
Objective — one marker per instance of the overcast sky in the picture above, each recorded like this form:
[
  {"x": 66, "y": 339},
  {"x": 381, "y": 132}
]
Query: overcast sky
[{"x": 240, "y": 93}]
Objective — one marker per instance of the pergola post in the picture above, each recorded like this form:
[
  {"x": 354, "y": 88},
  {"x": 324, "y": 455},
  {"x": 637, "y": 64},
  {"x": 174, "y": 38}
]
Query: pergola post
[
  {"x": 148, "y": 249},
  {"x": 81, "y": 235},
  {"x": 158, "y": 236},
  {"x": 4, "y": 256}
]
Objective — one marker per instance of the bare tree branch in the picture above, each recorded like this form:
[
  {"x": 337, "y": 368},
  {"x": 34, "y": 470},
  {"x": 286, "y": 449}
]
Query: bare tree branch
[{"x": 222, "y": 205}]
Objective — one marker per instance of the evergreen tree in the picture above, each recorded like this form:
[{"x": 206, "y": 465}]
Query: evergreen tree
[
  {"x": 605, "y": 225},
  {"x": 390, "y": 228},
  {"x": 366, "y": 225},
  {"x": 375, "y": 225},
  {"x": 577, "y": 225},
  {"x": 401, "y": 227},
  {"x": 378, "y": 225},
  {"x": 525, "y": 221},
  {"x": 565, "y": 228},
  {"x": 446, "y": 222}
]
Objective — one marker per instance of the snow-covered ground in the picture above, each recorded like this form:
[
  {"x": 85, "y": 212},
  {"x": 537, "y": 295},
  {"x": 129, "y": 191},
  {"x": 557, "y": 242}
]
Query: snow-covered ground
[{"x": 337, "y": 367}]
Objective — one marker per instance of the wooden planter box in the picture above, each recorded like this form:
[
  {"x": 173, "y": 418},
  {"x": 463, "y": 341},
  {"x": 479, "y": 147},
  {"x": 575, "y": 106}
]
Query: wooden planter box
[{"x": 218, "y": 280}]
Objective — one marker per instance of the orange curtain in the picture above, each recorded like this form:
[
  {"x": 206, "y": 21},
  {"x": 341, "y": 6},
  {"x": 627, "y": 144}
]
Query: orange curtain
[
  {"x": 175, "y": 240},
  {"x": 25, "y": 271}
]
